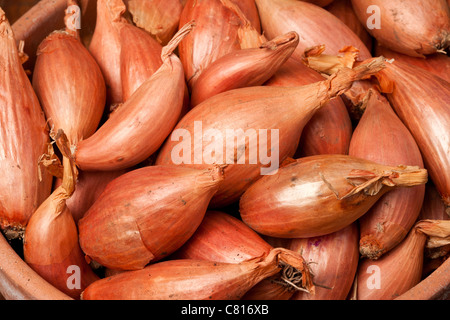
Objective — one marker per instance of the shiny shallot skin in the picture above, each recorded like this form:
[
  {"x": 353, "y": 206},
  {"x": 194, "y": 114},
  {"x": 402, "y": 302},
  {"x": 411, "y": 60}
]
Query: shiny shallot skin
[
  {"x": 333, "y": 259},
  {"x": 321, "y": 194},
  {"x": 138, "y": 127},
  {"x": 190, "y": 279},
  {"x": 70, "y": 85},
  {"x": 222, "y": 237},
  {"x": 285, "y": 110},
  {"x": 382, "y": 137},
  {"x": 23, "y": 139},
  {"x": 216, "y": 35},
  {"x": 401, "y": 27},
  {"x": 422, "y": 101},
  {"x": 146, "y": 214},
  {"x": 105, "y": 46}
]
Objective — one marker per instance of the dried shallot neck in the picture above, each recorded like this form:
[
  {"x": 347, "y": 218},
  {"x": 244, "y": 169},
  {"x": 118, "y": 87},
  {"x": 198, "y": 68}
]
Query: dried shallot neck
[
  {"x": 295, "y": 272},
  {"x": 371, "y": 182},
  {"x": 248, "y": 35},
  {"x": 290, "y": 278},
  {"x": 173, "y": 43},
  {"x": 436, "y": 231}
]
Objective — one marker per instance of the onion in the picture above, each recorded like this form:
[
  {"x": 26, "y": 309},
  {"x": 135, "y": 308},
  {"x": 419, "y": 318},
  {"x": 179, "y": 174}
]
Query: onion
[
  {"x": 224, "y": 238},
  {"x": 333, "y": 259},
  {"x": 23, "y": 139},
  {"x": 160, "y": 18},
  {"x": 315, "y": 26},
  {"x": 327, "y": 64},
  {"x": 438, "y": 63},
  {"x": 283, "y": 111},
  {"x": 51, "y": 245},
  {"x": 216, "y": 33},
  {"x": 318, "y": 195},
  {"x": 400, "y": 269},
  {"x": 90, "y": 184},
  {"x": 344, "y": 11},
  {"x": 420, "y": 28},
  {"x": 140, "y": 57},
  {"x": 330, "y": 129},
  {"x": 146, "y": 214},
  {"x": 243, "y": 68},
  {"x": 380, "y": 136},
  {"x": 188, "y": 279},
  {"x": 140, "y": 125},
  {"x": 422, "y": 101},
  {"x": 69, "y": 84},
  {"x": 105, "y": 46}
]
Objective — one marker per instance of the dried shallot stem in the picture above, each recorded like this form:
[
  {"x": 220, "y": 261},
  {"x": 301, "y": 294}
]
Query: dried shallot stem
[
  {"x": 290, "y": 278},
  {"x": 295, "y": 271},
  {"x": 173, "y": 43},
  {"x": 249, "y": 37},
  {"x": 371, "y": 182}
]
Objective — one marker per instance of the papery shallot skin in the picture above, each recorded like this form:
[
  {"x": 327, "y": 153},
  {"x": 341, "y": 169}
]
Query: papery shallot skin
[
  {"x": 330, "y": 129},
  {"x": 160, "y": 18},
  {"x": 395, "y": 272},
  {"x": 344, "y": 11},
  {"x": 244, "y": 68},
  {"x": 105, "y": 46},
  {"x": 140, "y": 57},
  {"x": 415, "y": 28},
  {"x": 216, "y": 34},
  {"x": 315, "y": 26},
  {"x": 422, "y": 101},
  {"x": 50, "y": 245},
  {"x": 69, "y": 85},
  {"x": 182, "y": 279},
  {"x": 438, "y": 63},
  {"x": 146, "y": 214},
  {"x": 222, "y": 237},
  {"x": 433, "y": 208},
  {"x": 51, "y": 248},
  {"x": 139, "y": 126},
  {"x": 280, "y": 113},
  {"x": 333, "y": 259},
  {"x": 23, "y": 139},
  {"x": 317, "y": 195},
  {"x": 90, "y": 185},
  {"x": 380, "y": 136}
]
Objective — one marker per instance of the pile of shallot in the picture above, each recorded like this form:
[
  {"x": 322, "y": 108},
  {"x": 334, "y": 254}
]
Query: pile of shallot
[{"x": 231, "y": 149}]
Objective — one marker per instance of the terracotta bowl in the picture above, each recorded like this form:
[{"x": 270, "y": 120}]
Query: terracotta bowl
[{"x": 17, "y": 280}]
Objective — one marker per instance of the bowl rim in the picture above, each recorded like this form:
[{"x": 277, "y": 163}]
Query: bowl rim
[{"x": 19, "y": 282}]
